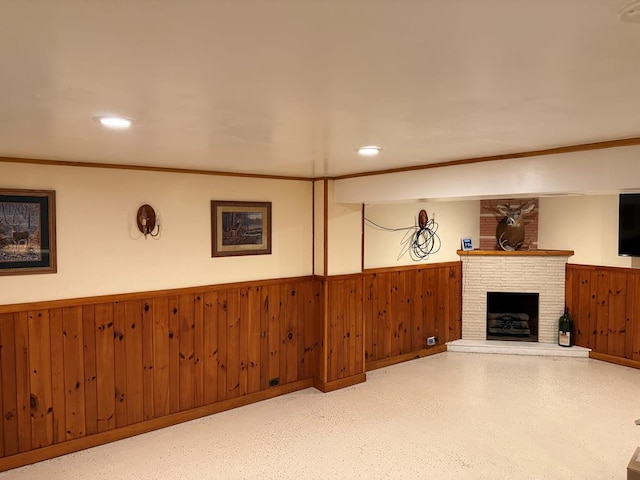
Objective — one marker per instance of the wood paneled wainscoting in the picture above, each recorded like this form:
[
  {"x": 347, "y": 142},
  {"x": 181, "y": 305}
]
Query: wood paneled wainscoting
[
  {"x": 82, "y": 372},
  {"x": 404, "y": 306},
  {"x": 604, "y": 303},
  {"x": 342, "y": 360},
  {"x": 384, "y": 316}
]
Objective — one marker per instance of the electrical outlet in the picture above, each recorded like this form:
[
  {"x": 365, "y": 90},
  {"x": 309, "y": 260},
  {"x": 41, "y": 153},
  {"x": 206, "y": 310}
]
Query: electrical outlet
[
  {"x": 431, "y": 341},
  {"x": 274, "y": 381}
]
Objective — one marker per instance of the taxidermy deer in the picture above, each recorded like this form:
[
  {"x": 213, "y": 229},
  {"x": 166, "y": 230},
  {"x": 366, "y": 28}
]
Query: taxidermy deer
[{"x": 510, "y": 230}]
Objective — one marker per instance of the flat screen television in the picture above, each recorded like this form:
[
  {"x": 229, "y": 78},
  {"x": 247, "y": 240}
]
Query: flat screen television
[{"x": 629, "y": 225}]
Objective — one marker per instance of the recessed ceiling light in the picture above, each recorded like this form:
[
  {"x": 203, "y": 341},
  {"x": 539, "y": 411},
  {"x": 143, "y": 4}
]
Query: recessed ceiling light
[
  {"x": 369, "y": 150},
  {"x": 113, "y": 121}
]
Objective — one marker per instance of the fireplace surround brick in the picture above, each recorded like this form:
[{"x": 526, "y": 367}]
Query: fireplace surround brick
[{"x": 537, "y": 271}]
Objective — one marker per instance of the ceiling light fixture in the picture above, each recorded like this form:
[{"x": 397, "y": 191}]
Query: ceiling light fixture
[
  {"x": 113, "y": 121},
  {"x": 369, "y": 150}
]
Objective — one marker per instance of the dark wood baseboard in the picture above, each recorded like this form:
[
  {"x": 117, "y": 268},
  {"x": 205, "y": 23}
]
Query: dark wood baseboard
[
  {"x": 338, "y": 384},
  {"x": 613, "y": 359},
  {"x": 386, "y": 362},
  {"x": 70, "y": 446}
]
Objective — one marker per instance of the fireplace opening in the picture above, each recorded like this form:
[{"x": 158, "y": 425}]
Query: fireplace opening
[{"x": 512, "y": 316}]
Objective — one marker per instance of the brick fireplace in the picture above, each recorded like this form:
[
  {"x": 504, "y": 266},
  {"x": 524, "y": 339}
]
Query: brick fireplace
[{"x": 538, "y": 271}]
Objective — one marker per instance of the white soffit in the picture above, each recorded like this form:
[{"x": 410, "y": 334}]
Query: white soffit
[{"x": 590, "y": 172}]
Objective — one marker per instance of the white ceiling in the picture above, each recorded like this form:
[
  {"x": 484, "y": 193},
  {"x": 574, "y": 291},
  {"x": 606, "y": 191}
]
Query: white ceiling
[{"x": 293, "y": 87}]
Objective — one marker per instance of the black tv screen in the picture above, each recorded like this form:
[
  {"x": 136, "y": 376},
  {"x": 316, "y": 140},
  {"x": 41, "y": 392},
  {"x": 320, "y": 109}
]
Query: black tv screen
[{"x": 629, "y": 225}]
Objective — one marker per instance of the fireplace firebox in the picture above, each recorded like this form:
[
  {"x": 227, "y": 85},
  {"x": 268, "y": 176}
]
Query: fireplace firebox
[{"x": 512, "y": 316}]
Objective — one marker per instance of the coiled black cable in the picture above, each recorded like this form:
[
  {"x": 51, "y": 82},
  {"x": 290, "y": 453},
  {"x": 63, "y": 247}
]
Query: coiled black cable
[{"x": 419, "y": 242}]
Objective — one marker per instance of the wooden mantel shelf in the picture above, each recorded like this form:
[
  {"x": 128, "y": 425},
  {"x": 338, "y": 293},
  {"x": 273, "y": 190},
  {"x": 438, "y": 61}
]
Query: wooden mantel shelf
[{"x": 517, "y": 253}]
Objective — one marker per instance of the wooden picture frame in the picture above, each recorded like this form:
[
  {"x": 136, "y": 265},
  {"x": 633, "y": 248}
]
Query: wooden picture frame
[
  {"x": 27, "y": 232},
  {"x": 240, "y": 228}
]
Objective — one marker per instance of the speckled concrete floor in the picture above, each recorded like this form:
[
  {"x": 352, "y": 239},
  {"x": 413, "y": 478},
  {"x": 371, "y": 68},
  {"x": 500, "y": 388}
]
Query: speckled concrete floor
[{"x": 450, "y": 416}]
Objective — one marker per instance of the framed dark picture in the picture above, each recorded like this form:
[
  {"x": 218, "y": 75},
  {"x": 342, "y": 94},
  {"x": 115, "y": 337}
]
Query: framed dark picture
[
  {"x": 467, "y": 244},
  {"x": 240, "y": 228},
  {"x": 27, "y": 232}
]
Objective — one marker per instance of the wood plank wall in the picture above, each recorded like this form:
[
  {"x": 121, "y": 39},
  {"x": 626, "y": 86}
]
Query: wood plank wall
[
  {"x": 403, "y": 307},
  {"x": 345, "y": 329},
  {"x": 604, "y": 303},
  {"x": 72, "y": 370},
  {"x": 384, "y": 316}
]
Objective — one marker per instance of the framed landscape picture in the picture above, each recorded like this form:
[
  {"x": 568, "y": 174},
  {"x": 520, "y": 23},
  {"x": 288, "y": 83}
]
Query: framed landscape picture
[
  {"x": 27, "y": 232},
  {"x": 240, "y": 228}
]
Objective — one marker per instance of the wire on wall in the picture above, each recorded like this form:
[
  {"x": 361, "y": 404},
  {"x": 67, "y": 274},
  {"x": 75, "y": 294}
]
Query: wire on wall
[{"x": 420, "y": 240}]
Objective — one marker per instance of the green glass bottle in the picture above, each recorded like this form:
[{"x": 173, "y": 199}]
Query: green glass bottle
[{"x": 565, "y": 329}]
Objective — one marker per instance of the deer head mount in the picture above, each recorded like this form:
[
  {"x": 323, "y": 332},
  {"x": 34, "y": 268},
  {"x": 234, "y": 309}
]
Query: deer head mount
[{"x": 510, "y": 230}]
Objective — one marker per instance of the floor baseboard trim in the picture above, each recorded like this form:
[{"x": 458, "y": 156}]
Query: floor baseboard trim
[
  {"x": 56, "y": 450},
  {"x": 613, "y": 359},
  {"x": 338, "y": 384},
  {"x": 405, "y": 357}
]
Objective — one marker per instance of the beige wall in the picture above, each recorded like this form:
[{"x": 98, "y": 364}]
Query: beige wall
[
  {"x": 318, "y": 222},
  {"x": 344, "y": 248},
  {"x": 100, "y": 251},
  {"x": 588, "y": 225},
  {"x": 456, "y": 220}
]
